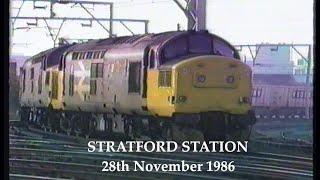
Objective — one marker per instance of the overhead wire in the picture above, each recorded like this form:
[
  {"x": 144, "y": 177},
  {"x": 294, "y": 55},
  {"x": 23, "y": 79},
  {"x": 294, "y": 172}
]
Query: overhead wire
[{"x": 130, "y": 4}]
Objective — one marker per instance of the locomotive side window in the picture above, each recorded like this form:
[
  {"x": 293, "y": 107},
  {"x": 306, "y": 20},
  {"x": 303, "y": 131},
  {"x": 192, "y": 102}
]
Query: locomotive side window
[
  {"x": 32, "y": 73},
  {"x": 40, "y": 84},
  {"x": 100, "y": 70},
  {"x": 31, "y": 86},
  {"x": 96, "y": 72},
  {"x": 71, "y": 81},
  {"x": 134, "y": 77},
  {"x": 47, "y": 80},
  {"x": 93, "y": 82},
  {"x": 43, "y": 63},
  {"x": 93, "y": 70},
  {"x": 151, "y": 59},
  {"x": 75, "y": 55},
  {"x": 93, "y": 87},
  {"x": 164, "y": 79},
  {"x": 82, "y": 55},
  {"x": 24, "y": 80},
  {"x": 102, "y": 54},
  {"x": 54, "y": 85},
  {"x": 89, "y": 55},
  {"x": 96, "y": 55}
]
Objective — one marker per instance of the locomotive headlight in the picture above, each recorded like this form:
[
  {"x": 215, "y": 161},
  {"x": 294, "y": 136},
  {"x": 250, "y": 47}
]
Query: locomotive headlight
[
  {"x": 230, "y": 79},
  {"x": 182, "y": 99},
  {"x": 201, "y": 78}
]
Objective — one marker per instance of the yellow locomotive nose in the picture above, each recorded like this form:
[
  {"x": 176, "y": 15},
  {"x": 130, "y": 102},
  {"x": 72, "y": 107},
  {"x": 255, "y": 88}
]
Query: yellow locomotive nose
[
  {"x": 202, "y": 84},
  {"x": 212, "y": 83}
]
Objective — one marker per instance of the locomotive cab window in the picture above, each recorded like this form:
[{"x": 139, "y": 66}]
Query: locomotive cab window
[
  {"x": 200, "y": 44},
  {"x": 221, "y": 48},
  {"x": 134, "y": 77},
  {"x": 195, "y": 45},
  {"x": 102, "y": 54},
  {"x": 175, "y": 49},
  {"x": 164, "y": 79}
]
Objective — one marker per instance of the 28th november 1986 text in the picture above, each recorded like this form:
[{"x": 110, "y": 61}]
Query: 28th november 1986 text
[{"x": 182, "y": 166}]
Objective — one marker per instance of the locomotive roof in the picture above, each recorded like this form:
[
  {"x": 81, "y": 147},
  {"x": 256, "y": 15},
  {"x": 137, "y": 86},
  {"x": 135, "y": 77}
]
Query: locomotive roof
[
  {"x": 52, "y": 55},
  {"x": 129, "y": 46},
  {"x": 136, "y": 40}
]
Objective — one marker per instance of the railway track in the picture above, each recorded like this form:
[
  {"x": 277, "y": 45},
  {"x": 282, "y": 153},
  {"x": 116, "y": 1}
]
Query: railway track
[
  {"x": 284, "y": 145},
  {"x": 49, "y": 156}
]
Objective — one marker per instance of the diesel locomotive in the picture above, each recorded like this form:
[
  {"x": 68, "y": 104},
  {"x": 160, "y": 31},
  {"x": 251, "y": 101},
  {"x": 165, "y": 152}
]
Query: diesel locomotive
[{"x": 173, "y": 86}]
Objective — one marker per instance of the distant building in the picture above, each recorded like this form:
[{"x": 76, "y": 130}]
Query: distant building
[
  {"x": 273, "y": 60},
  {"x": 277, "y": 59}
]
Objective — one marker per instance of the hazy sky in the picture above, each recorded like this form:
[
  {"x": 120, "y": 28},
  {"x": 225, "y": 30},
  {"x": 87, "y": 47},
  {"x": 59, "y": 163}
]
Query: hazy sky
[{"x": 238, "y": 21}]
